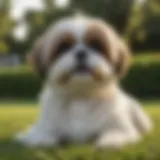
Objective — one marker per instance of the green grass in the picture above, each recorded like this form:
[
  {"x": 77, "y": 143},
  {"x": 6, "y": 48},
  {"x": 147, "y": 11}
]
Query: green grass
[
  {"x": 17, "y": 116},
  {"x": 147, "y": 58}
]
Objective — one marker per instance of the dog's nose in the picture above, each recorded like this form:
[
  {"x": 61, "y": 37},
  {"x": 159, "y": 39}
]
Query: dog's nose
[{"x": 81, "y": 56}]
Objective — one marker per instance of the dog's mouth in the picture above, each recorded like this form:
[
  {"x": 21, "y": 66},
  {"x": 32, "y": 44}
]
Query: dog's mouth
[{"x": 81, "y": 70}]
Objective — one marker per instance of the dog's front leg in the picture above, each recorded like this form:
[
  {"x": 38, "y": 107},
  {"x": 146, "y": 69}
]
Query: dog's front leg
[
  {"x": 37, "y": 136},
  {"x": 40, "y": 134},
  {"x": 44, "y": 131}
]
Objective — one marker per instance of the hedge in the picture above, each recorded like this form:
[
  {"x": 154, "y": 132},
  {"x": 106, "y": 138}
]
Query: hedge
[
  {"x": 19, "y": 85},
  {"x": 143, "y": 80}
]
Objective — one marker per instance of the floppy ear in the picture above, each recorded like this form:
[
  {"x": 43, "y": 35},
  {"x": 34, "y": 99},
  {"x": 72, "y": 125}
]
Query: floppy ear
[
  {"x": 123, "y": 60},
  {"x": 34, "y": 57}
]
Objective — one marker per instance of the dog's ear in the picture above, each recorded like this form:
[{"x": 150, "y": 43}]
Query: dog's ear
[
  {"x": 123, "y": 59},
  {"x": 35, "y": 59}
]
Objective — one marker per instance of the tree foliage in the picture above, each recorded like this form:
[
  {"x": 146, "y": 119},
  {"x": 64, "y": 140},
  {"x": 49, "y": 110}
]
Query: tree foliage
[
  {"x": 144, "y": 28},
  {"x": 6, "y": 26},
  {"x": 115, "y": 12},
  {"x": 139, "y": 23},
  {"x": 38, "y": 21}
]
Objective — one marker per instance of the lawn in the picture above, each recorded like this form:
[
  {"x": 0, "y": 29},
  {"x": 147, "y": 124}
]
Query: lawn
[{"x": 17, "y": 116}]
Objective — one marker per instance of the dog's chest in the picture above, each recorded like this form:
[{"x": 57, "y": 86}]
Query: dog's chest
[{"x": 83, "y": 119}]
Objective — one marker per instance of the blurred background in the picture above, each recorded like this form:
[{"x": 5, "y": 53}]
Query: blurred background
[{"x": 22, "y": 21}]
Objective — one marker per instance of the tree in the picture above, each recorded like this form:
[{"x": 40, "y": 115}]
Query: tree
[
  {"x": 6, "y": 25},
  {"x": 49, "y": 5},
  {"x": 39, "y": 21},
  {"x": 116, "y": 12},
  {"x": 144, "y": 30}
]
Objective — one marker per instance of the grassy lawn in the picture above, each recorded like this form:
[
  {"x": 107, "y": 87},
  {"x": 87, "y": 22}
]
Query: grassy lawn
[
  {"x": 146, "y": 58},
  {"x": 16, "y": 116}
]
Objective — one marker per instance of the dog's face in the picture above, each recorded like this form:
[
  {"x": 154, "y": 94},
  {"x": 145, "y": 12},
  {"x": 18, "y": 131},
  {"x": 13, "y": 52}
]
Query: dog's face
[{"x": 80, "y": 51}]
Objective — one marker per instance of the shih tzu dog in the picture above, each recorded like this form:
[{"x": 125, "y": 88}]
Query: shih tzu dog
[{"x": 82, "y": 61}]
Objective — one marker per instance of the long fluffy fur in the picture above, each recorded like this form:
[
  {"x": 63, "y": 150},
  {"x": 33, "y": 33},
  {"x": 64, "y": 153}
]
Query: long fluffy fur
[{"x": 84, "y": 109}]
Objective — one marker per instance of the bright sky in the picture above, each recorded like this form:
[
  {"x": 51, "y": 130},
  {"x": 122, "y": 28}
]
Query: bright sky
[{"x": 20, "y": 6}]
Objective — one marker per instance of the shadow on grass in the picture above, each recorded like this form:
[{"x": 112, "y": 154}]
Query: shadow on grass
[{"x": 10, "y": 150}]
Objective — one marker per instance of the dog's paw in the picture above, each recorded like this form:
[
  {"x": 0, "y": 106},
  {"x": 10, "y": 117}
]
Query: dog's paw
[
  {"x": 115, "y": 141},
  {"x": 35, "y": 139},
  {"x": 108, "y": 144}
]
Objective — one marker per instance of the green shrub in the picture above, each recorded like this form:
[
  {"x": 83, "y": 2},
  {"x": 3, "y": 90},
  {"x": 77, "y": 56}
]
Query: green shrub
[
  {"x": 19, "y": 84},
  {"x": 143, "y": 80}
]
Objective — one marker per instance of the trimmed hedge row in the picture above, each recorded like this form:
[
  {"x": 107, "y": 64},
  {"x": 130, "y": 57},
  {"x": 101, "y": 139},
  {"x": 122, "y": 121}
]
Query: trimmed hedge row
[
  {"x": 143, "y": 80},
  {"x": 19, "y": 85}
]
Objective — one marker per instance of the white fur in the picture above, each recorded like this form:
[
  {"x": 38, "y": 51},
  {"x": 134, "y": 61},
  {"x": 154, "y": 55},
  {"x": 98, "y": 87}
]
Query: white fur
[
  {"x": 116, "y": 122},
  {"x": 67, "y": 62},
  {"x": 83, "y": 108}
]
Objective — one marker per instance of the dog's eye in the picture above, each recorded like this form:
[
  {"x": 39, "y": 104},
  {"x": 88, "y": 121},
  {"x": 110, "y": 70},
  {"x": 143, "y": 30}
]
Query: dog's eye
[
  {"x": 63, "y": 47},
  {"x": 96, "y": 45}
]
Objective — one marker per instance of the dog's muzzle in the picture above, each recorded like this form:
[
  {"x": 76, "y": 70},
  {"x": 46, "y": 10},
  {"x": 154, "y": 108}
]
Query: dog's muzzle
[{"x": 81, "y": 68}]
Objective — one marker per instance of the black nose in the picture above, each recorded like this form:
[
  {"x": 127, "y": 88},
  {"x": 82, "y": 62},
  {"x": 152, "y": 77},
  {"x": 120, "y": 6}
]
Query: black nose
[{"x": 81, "y": 56}]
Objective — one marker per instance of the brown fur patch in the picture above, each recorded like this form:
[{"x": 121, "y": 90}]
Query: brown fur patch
[
  {"x": 123, "y": 61},
  {"x": 109, "y": 39},
  {"x": 96, "y": 35},
  {"x": 61, "y": 43},
  {"x": 34, "y": 57}
]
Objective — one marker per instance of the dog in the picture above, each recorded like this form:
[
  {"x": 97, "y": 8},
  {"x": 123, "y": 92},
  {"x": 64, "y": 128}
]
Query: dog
[{"x": 82, "y": 60}]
